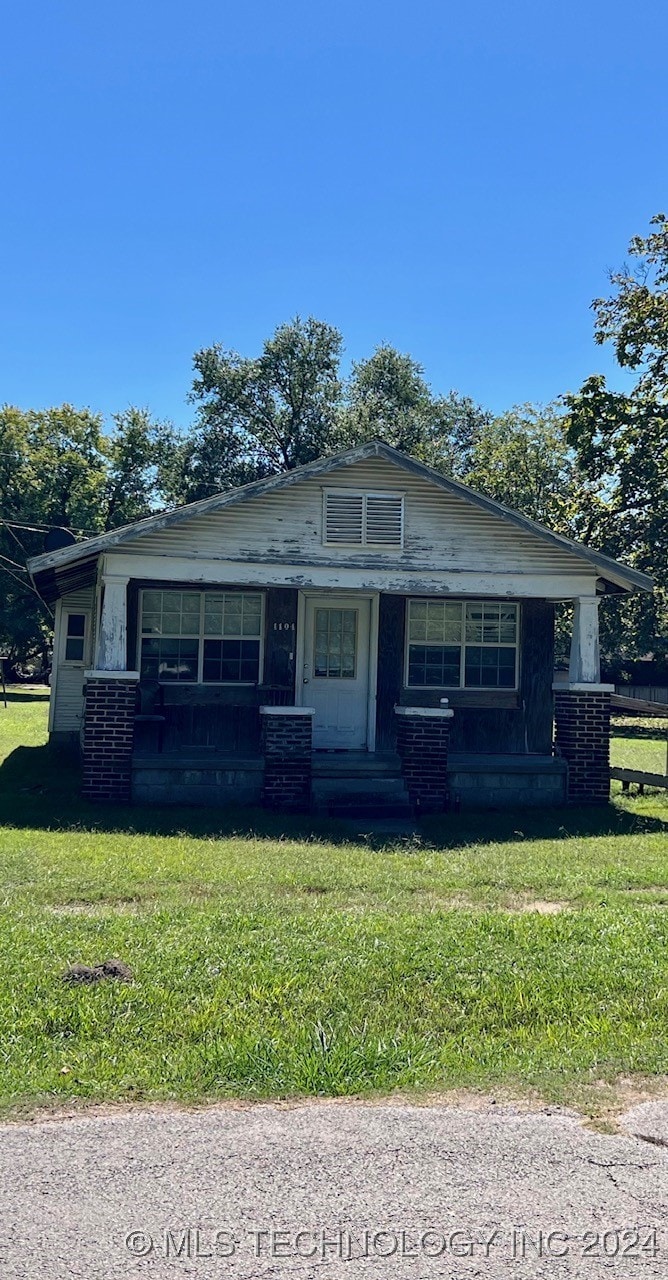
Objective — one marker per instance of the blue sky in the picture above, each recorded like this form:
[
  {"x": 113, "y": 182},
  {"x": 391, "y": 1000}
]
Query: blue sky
[{"x": 455, "y": 179}]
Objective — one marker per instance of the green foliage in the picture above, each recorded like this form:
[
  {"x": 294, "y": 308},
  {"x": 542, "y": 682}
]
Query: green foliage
[
  {"x": 523, "y": 459},
  {"x": 635, "y": 318},
  {"x": 388, "y": 398},
  {"x": 621, "y": 443},
  {"x": 59, "y": 468},
  {"x": 263, "y": 415}
]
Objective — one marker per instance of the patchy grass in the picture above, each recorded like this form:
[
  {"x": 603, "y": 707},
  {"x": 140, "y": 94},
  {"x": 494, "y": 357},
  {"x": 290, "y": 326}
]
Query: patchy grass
[
  {"x": 639, "y": 742},
  {"x": 279, "y": 958}
]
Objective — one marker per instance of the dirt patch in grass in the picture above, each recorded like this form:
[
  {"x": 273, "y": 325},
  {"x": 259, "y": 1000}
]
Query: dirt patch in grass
[
  {"x": 520, "y": 905},
  {"x": 648, "y": 890},
  {"x": 100, "y": 907},
  {"x": 540, "y": 906}
]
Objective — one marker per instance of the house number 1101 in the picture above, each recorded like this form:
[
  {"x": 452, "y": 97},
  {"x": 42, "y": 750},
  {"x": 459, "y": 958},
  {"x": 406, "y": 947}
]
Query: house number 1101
[{"x": 284, "y": 626}]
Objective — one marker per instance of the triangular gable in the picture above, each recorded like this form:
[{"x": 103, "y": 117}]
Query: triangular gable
[{"x": 606, "y": 567}]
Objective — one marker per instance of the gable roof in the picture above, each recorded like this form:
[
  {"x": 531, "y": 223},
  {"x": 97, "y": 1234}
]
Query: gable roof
[{"x": 619, "y": 574}]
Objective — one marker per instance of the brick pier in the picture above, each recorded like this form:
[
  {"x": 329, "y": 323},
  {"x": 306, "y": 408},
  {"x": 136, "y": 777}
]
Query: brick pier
[
  {"x": 108, "y": 733},
  {"x": 582, "y": 739},
  {"x": 287, "y": 744},
  {"x": 423, "y": 741}
]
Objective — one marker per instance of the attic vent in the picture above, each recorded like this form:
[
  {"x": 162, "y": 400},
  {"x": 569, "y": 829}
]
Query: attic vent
[{"x": 364, "y": 519}]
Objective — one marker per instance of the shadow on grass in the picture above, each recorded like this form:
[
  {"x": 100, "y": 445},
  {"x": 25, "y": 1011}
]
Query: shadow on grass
[
  {"x": 31, "y": 694},
  {"x": 648, "y": 732},
  {"x": 39, "y": 788}
]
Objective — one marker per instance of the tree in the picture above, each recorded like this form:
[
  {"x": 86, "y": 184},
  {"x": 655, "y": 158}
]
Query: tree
[
  {"x": 388, "y": 398},
  {"x": 523, "y": 459},
  {"x": 621, "y": 443},
  {"x": 138, "y": 454},
  {"x": 635, "y": 318},
  {"x": 59, "y": 468},
  {"x": 264, "y": 415}
]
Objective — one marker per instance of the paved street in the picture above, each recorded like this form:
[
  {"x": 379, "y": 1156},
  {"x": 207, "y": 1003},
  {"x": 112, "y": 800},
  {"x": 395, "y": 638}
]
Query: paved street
[{"x": 332, "y": 1190}]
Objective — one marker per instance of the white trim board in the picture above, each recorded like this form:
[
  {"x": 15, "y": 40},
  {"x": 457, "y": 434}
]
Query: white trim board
[{"x": 198, "y": 571}]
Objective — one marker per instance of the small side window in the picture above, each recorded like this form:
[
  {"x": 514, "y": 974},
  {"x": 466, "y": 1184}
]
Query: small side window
[{"x": 75, "y": 636}]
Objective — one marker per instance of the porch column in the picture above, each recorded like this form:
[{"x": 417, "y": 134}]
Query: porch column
[
  {"x": 582, "y": 711},
  {"x": 585, "y": 661},
  {"x": 110, "y": 693},
  {"x": 287, "y": 744},
  {"x": 423, "y": 740},
  {"x": 112, "y": 640}
]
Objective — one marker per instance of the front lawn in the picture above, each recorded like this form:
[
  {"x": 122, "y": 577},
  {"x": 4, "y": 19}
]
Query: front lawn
[{"x": 276, "y": 958}]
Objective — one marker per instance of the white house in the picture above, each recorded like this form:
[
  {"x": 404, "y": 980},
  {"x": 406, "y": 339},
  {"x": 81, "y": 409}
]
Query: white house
[{"x": 359, "y": 626}]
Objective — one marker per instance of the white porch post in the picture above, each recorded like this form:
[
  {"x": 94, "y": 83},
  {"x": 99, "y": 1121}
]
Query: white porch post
[
  {"x": 585, "y": 660},
  {"x": 112, "y": 640}
]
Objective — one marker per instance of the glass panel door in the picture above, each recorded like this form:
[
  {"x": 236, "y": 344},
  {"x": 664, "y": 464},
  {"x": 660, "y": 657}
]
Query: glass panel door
[{"x": 335, "y": 643}]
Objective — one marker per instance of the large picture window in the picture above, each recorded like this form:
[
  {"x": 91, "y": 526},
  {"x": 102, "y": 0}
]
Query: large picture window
[
  {"x": 456, "y": 644},
  {"x": 209, "y": 637}
]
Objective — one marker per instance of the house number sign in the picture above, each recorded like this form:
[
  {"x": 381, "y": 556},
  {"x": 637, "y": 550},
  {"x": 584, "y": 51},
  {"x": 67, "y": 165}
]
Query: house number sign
[{"x": 284, "y": 626}]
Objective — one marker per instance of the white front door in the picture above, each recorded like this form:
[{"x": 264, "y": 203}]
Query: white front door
[{"x": 336, "y": 670}]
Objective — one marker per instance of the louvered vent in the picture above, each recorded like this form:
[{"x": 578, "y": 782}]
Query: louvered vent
[
  {"x": 364, "y": 519},
  {"x": 384, "y": 519}
]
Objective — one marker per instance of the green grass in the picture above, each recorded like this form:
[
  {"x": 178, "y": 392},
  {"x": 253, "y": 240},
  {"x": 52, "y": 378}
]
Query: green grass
[
  {"x": 639, "y": 743},
  {"x": 284, "y": 957}
]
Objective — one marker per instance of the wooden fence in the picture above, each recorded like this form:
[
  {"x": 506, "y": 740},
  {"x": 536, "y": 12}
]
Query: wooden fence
[{"x": 636, "y": 706}]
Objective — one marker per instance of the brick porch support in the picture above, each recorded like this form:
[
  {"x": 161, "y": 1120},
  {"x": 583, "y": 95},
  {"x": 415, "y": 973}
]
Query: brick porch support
[
  {"x": 287, "y": 744},
  {"x": 582, "y": 739},
  {"x": 423, "y": 741},
  {"x": 108, "y": 733}
]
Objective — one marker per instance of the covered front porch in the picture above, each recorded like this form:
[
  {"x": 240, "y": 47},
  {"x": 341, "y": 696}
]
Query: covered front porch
[{"x": 293, "y": 696}]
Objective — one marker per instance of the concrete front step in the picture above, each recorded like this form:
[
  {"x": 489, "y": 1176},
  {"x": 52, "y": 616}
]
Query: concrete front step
[
  {"x": 364, "y": 807},
  {"x": 378, "y": 786},
  {"x": 354, "y": 764}
]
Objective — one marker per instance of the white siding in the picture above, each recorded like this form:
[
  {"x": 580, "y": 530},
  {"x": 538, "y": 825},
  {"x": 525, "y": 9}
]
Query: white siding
[
  {"x": 442, "y": 532},
  {"x": 67, "y": 678}
]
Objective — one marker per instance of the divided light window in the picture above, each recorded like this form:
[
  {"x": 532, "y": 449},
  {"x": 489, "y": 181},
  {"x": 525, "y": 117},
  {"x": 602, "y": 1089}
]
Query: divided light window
[
  {"x": 210, "y": 637},
  {"x": 75, "y": 636},
  {"x": 358, "y": 519},
  {"x": 455, "y": 644}
]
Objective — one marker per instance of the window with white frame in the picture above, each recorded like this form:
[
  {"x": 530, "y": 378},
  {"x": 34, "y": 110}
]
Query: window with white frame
[
  {"x": 457, "y": 644},
  {"x": 204, "y": 637},
  {"x": 75, "y": 636},
  {"x": 357, "y": 519}
]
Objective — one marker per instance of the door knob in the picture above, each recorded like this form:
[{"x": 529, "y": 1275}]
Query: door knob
[{"x": 305, "y": 679}]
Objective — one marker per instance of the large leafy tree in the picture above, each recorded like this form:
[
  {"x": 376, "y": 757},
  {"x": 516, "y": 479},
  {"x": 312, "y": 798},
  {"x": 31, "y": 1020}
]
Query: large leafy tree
[
  {"x": 59, "y": 468},
  {"x": 258, "y": 416},
  {"x": 635, "y": 317},
  {"x": 621, "y": 442},
  {"x": 522, "y": 458},
  {"x": 388, "y": 397}
]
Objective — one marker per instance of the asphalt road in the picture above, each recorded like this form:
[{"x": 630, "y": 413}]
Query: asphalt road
[{"x": 330, "y": 1190}]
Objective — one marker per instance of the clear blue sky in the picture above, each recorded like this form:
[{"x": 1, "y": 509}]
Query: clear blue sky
[{"x": 455, "y": 179}]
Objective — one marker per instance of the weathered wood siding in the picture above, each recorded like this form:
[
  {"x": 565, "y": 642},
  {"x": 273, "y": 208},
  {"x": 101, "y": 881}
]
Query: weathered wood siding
[
  {"x": 442, "y": 532},
  {"x": 485, "y": 721}
]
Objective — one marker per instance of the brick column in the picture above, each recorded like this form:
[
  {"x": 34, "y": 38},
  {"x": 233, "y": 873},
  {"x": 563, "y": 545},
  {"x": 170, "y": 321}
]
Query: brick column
[
  {"x": 582, "y": 739},
  {"x": 287, "y": 743},
  {"x": 108, "y": 733},
  {"x": 423, "y": 740}
]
